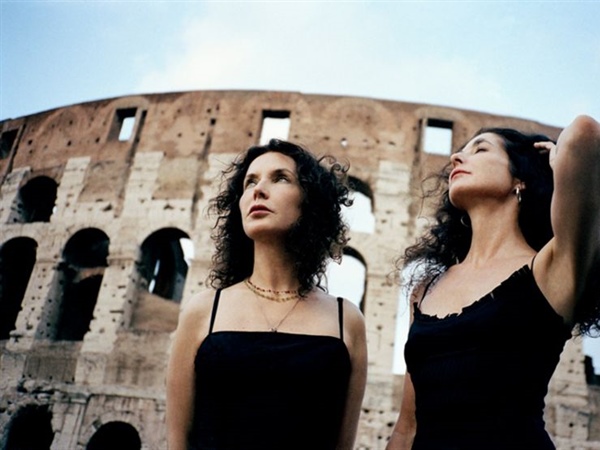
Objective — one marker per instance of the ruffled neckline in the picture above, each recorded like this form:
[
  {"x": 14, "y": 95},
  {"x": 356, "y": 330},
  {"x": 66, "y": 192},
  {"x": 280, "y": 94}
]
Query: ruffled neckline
[{"x": 482, "y": 301}]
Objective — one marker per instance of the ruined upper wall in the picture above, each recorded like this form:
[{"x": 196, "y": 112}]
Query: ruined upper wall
[{"x": 191, "y": 124}]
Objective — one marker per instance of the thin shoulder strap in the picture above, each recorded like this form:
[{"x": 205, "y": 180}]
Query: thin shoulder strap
[
  {"x": 532, "y": 261},
  {"x": 341, "y": 316},
  {"x": 213, "y": 314}
]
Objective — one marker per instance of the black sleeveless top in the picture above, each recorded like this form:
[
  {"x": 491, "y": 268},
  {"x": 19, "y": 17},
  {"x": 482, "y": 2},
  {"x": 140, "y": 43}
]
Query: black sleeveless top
[
  {"x": 480, "y": 376},
  {"x": 260, "y": 390}
]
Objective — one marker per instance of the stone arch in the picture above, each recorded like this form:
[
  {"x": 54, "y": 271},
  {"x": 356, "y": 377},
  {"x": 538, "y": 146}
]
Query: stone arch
[
  {"x": 70, "y": 307},
  {"x": 36, "y": 200},
  {"x": 115, "y": 434},
  {"x": 361, "y": 215},
  {"x": 349, "y": 278},
  {"x": 30, "y": 428},
  {"x": 17, "y": 259},
  {"x": 163, "y": 264},
  {"x": 162, "y": 270}
]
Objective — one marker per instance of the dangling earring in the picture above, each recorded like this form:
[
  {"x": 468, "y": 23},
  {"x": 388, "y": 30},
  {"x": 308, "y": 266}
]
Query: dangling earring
[
  {"x": 518, "y": 194},
  {"x": 462, "y": 221}
]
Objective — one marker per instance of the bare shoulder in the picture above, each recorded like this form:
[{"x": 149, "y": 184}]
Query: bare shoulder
[
  {"x": 195, "y": 313},
  {"x": 354, "y": 320},
  {"x": 352, "y": 312},
  {"x": 199, "y": 303}
]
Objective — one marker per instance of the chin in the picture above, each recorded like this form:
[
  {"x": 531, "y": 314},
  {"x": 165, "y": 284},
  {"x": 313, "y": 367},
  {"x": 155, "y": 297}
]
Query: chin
[{"x": 458, "y": 199}]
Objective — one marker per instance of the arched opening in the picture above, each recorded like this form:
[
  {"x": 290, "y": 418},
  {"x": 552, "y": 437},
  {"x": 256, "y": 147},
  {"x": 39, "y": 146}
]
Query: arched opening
[
  {"x": 349, "y": 278},
  {"x": 591, "y": 350},
  {"x": 37, "y": 199},
  {"x": 359, "y": 215},
  {"x": 30, "y": 429},
  {"x": 163, "y": 267},
  {"x": 81, "y": 271},
  {"x": 17, "y": 258},
  {"x": 117, "y": 435}
]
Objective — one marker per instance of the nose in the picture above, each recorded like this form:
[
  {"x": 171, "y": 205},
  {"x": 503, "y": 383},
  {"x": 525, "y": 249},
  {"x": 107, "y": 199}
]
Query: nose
[
  {"x": 260, "y": 190},
  {"x": 456, "y": 159}
]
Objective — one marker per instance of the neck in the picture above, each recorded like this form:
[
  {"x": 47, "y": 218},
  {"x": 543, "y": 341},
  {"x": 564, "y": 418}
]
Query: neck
[
  {"x": 273, "y": 268},
  {"x": 496, "y": 235}
]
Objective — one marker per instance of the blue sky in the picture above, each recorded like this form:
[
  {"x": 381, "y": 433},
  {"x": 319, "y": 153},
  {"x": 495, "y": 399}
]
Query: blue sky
[{"x": 536, "y": 60}]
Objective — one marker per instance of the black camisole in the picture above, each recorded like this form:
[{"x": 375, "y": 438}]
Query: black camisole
[
  {"x": 260, "y": 390},
  {"x": 480, "y": 376}
]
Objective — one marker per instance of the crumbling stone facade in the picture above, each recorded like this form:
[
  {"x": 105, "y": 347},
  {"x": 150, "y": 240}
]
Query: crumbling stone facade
[{"x": 96, "y": 200}]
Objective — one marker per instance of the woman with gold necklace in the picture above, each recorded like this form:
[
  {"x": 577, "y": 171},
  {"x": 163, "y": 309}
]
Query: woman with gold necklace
[{"x": 268, "y": 360}]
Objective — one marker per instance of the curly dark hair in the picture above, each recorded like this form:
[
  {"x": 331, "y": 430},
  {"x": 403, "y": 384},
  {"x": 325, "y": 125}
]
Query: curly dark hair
[
  {"x": 448, "y": 240},
  {"x": 319, "y": 234}
]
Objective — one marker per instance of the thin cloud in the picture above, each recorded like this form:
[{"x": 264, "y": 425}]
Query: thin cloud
[{"x": 327, "y": 50}]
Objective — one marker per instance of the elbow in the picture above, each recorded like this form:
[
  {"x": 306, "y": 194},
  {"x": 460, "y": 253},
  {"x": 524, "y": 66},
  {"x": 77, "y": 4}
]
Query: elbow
[
  {"x": 578, "y": 150},
  {"x": 587, "y": 129}
]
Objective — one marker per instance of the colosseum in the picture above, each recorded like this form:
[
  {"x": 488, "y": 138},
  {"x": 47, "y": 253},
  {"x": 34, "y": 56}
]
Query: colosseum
[{"x": 99, "y": 204}]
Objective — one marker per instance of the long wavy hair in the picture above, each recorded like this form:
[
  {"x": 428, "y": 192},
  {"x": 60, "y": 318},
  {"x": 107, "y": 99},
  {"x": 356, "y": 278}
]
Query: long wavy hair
[{"x": 319, "y": 235}]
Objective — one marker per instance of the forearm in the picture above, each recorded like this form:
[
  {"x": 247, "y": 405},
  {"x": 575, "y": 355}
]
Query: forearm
[
  {"x": 405, "y": 428},
  {"x": 175, "y": 441},
  {"x": 402, "y": 436},
  {"x": 178, "y": 424}
]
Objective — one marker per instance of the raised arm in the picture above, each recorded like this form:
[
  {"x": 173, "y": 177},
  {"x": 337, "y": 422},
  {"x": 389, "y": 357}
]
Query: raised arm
[{"x": 564, "y": 264}]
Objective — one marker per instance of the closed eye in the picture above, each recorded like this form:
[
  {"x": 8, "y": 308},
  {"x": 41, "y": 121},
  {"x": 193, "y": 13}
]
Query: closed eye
[
  {"x": 282, "y": 175},
  {"x": 249, "y": 182}
]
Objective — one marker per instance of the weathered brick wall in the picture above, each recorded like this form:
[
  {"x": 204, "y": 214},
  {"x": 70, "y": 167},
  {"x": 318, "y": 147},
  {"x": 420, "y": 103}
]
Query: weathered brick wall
[{"x": 162, "y": 178}]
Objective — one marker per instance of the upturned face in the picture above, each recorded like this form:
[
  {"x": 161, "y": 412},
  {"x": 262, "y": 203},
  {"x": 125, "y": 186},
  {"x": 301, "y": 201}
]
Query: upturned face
[
  {"x": 481, "y": 171},
  {"x": 271, "y": 202}
]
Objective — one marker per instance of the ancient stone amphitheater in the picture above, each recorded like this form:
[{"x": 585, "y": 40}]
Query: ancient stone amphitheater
[{"x": 97, "y": 203}]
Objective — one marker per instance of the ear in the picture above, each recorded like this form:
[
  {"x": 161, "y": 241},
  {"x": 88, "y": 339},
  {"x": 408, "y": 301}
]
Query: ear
[{"x": 520, "y": 186}]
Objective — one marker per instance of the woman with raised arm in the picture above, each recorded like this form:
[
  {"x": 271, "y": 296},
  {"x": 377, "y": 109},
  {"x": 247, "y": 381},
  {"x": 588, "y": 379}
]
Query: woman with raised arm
[
  {"x": 267, "y": 360},
  {"x": 505, "y": 276}
]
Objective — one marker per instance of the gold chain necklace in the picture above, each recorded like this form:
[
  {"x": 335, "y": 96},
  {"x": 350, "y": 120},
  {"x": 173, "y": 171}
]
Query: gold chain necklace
[
  {"x": 264, "y": 292},
  {"x": 257, "y": 293},
  {"x": 275, "y": 328}
]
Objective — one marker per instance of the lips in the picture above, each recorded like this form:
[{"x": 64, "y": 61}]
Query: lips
[
  {"x": 456, "y": 172},
  {"x": 259, "y": 208}
]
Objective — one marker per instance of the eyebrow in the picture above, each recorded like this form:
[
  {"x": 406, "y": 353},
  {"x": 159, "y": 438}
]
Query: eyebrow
[
  {"x": 476, "y": 142},
  {"x": 279, "y": 171},
  {"x": 481, "y": 141}
]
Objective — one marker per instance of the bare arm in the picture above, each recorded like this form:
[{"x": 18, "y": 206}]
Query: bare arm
[
  {"x": 357, "y": 345},
  {"x": 405, "y": 429},
  {"x": 566, "y": 261},
  {"x": 180, "y": 371}
]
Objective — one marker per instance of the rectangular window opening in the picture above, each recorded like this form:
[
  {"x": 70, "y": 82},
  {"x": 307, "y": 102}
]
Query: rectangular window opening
[
  {"x": 7, "y": 139},
  {"x": 275, "y": 125},
  {"x": 438, "y": 137},
  {"x": 123, "y": 124}
]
